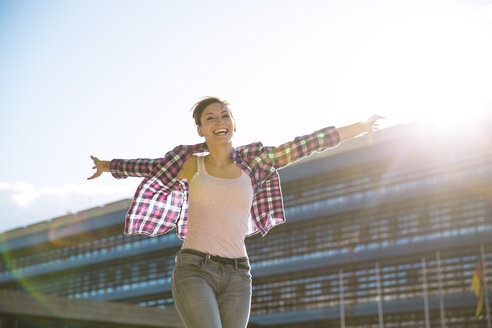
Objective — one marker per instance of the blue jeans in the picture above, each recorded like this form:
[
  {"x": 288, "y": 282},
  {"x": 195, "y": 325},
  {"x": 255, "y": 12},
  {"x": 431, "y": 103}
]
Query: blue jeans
[{"x": 211, "y": 294}]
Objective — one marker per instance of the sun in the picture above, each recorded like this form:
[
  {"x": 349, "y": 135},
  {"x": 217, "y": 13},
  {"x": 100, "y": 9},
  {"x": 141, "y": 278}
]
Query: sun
[{"x": 431, "y": 66}]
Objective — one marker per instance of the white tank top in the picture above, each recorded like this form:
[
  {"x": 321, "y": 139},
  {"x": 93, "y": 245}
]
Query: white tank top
[{"x": 218, "y": 213}]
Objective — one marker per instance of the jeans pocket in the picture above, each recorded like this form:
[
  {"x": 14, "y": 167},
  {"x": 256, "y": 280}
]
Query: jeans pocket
[
  {"x": 184, "y": 259},
  {"x": 244, "y": 274}
]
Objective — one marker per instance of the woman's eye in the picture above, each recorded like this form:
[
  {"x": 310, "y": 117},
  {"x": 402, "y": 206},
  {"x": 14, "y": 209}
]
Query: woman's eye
[{"x": 210, "y": 118}]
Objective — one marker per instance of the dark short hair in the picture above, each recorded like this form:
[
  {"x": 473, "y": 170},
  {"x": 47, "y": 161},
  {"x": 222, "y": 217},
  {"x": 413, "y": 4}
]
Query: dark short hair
[{"x": 200, "y": 106}]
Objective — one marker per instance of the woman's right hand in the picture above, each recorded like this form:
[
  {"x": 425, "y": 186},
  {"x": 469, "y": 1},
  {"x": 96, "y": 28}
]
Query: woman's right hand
[{"x": 100, "y": 167}]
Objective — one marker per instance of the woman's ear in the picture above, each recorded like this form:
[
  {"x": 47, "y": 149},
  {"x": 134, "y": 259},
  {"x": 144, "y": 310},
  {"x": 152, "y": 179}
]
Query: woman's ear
[{"x": 199, "y": 130}]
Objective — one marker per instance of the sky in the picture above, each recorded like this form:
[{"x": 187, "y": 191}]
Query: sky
[{"x": 116, "y": 79}]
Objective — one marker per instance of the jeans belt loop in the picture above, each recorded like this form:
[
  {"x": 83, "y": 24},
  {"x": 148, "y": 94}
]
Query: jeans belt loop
[
  {"x": 235, "y": 264},
  {"x": 207, "y": 258}
]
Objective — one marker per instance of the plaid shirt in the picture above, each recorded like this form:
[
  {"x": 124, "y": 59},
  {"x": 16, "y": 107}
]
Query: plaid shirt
[{"x": 161, "y": 200}]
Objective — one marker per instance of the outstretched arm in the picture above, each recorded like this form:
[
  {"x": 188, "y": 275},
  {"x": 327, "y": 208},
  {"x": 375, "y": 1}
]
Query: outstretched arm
[
  {"x": 302, "y": 146},
  {"x": 144, "y": 167},
  {"x": 318, "y": 141},
  {"x": 123, "y": 168},
  {"x": 356, "y": 129}
]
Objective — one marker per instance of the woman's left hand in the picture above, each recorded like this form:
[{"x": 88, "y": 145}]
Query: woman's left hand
[{"x": 371, "y": 123}]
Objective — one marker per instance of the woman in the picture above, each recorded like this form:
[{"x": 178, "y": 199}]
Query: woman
[{"x": 215, "y": 195}]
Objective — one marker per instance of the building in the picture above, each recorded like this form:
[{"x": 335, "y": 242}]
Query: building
[{"x": 382, "y": 231}]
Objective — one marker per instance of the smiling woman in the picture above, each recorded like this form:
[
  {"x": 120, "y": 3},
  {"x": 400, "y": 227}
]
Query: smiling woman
[{"x": 216, "y": 195}]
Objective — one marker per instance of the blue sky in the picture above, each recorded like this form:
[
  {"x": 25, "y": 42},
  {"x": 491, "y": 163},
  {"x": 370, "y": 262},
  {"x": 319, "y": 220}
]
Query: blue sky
[{"x": 116, "y": 79}]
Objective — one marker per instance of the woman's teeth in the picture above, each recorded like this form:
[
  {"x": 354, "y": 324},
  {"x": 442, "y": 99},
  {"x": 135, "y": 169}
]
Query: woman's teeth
[{"x": 220, "y": 131}]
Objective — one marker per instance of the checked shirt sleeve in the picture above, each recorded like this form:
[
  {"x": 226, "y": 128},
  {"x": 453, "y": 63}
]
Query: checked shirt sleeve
[
  {"x": 140, "y": 167},
  {"x": 303, "y": 146}
]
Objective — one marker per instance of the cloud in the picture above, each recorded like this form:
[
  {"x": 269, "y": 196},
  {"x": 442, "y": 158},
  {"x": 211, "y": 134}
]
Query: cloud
[
  {"x": 22, "y": 203},
  {"x": 24, "y": 194},
  {"x": 5, "y": 185}
]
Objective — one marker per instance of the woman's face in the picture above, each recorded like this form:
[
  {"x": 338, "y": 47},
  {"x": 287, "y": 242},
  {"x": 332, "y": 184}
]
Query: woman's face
[{"x": 217, "y": 124}]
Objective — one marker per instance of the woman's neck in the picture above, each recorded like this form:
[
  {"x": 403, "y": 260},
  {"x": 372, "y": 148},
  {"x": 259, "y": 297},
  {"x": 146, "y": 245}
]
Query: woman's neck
[{"x": 219, "y": 154}]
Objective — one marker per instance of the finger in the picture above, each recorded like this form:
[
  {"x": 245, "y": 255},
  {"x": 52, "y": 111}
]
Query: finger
[
  {"x": 95, "y": 175},
  {"x": 374, "y": 118}
]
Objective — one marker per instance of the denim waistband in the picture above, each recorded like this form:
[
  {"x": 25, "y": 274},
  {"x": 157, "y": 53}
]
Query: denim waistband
[{"x": 237, "y": 262}]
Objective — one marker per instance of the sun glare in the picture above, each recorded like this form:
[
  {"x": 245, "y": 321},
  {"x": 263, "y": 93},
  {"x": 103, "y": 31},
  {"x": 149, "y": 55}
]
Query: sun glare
[
  {"x": 444, "y": 123},
  {"x": 430, "y": 65}
]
